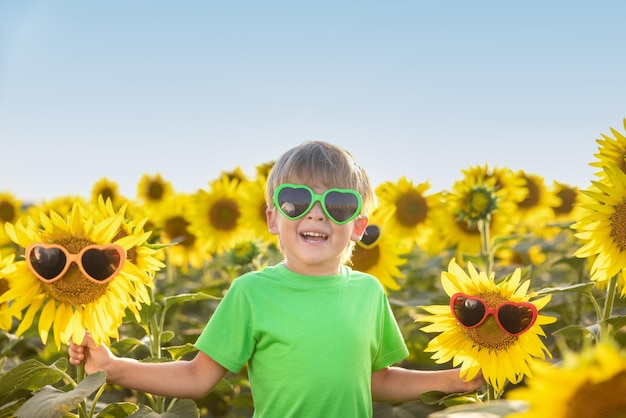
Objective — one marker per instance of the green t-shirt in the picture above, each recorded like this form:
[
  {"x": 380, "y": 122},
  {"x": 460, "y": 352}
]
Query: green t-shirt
[{"x": 311, "y": 342}]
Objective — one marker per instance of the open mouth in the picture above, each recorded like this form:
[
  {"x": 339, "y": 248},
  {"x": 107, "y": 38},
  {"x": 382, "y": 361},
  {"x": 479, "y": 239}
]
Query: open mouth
[{"x": 313, "y": 236}]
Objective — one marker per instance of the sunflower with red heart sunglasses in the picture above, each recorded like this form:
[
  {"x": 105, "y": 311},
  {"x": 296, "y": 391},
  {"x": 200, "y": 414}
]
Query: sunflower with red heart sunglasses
[{"x": 514, "y": 318}]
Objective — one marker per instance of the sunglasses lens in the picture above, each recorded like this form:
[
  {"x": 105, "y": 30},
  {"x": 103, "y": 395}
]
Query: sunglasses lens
[
  {"x": 515, "y": 319},
  {"x": 372, "y": 233},
  {"x": 294, "y": 202},
  {"x": 47, "y": 262},
  {"x": 341, "y": 206},
  {"x": 101, "y": 264},
  {"x": 469, "y": 312}
]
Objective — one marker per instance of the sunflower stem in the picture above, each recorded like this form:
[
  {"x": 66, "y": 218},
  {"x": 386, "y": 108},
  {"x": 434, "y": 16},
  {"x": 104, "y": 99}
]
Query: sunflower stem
[
  {"x": 492, "y": 394},
  {"x": 81, "y": 407},
  {"x": 97, "y": 396},
  {"x": 170, "y": 272},
  {"x": 486, "y": 252},
  {"x": 608, "y": 309},
  {"x": 80, "y": 372},
  {"x": 578, "y": 306},
  {"x": 155, "y": 337},
  {"x": 155, "y": 329},
  {"x": 80, "y": 375}
]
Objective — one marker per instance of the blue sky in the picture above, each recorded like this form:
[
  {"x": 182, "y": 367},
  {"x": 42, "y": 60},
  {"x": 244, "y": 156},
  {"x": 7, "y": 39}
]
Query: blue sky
[{"x": 188, "y": 89}]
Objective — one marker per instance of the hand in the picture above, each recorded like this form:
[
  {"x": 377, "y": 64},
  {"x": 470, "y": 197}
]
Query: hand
[
  {"x": 475, "y": 383},
  {"x": 96, "y": 357}
]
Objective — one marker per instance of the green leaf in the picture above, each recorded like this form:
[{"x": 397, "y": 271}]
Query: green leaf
[
  {"x": 8, "y": 410},
  {"x": 167, "y": 336},
  {"x": 185, "y": 297},
  {"x": 158, "y": 246},
  {"x": 617, "y": 321},
  {"x": 432, "y": 397},
  {"x": 178, "y": 352},
  {"x": 500, "y": 408},
  {"x": 50, "y": 402},
  {"x": 577, "y": 333},
  {"x": 31, "y": 375},
  {"x": 183, "y": 408},
  {"x": 223, "y": 386},
  {"x": 127, "y": 345},
  {"x": 7, "y": 342},
  {"x": 579, "y": 287},
  {"x": 499, "y": 241},
  {"x": 478, "y": 261},
  {"x": 459, "y": 400},
  {"x": 118, "y": 410},
  {"x": 148, "y": 312},
  {"x": 574, "y": 262},
  {"x": 443, "y": 398}
]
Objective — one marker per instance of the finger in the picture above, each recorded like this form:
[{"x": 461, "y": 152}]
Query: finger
[
  {"x": 76, "y": 358},
  {"x": 88, "y": 340},
  {"x": 74, "y": 348}
]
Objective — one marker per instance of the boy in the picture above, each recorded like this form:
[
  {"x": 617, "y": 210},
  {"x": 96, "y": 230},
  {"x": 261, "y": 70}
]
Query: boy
[{"x": 319, "y": 338}]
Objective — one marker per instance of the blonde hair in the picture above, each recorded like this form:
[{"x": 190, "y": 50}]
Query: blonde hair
[{"x": 318, "y": 162}]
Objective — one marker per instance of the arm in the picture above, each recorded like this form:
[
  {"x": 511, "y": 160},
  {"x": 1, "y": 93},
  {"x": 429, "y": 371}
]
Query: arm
[
  {"x": 178, "y": 379},
  {"x": 395, "y": 384}
]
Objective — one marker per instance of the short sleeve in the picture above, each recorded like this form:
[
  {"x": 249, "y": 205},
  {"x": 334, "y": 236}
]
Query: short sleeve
[
  {"x": 392, "y": 347},
  {"x": 227, "y": 338}
]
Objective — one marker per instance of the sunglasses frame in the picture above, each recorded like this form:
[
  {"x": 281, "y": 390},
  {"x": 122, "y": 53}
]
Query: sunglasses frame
[
  {"x": 494, "y": 312},
  {"x": 318, "y": 198},
  {"x": 76, "y": 259}
]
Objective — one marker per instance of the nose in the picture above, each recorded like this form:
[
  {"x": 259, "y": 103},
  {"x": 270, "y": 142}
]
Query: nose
[{"x": 316, "y": 212}]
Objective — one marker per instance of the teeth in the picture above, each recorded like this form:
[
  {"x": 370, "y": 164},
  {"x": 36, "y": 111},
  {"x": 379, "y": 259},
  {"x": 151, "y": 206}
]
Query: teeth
[{"x": 313, "y": 234}]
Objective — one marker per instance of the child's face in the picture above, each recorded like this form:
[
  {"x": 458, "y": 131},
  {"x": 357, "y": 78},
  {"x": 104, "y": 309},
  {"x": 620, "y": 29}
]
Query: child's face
[{"x": 314, "y": 244}]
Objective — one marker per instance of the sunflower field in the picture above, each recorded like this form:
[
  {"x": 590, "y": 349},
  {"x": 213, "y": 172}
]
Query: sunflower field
[{"x": 543, "y": 263}]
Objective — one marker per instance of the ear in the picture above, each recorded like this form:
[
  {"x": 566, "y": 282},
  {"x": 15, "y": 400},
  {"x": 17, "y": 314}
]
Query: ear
[
  {"x": 360, "y": 223},
  {"x": 271, "y": 215}
]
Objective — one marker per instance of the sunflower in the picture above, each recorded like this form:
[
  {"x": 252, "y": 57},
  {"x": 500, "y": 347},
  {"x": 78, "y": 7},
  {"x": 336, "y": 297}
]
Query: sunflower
[
  {"x": 602, "y": 227},
  {"x": 153, "y": 189},
  {"x": 236, "y": 175},
  {"x": 72, "y": 304},
  {"x": 10, "y": 210},
  {"x": 611, "y": 150},
  {"x": 465, "y": 237},
  {"x": 173, "y": 223},
  {"x": 61, "y": 205},
  {"x": 263, "y": 170},
  {"x": 109, "y": 190},
  {"x": 253, "y": 211},
  {"x": 536, "y": 210},
  {"x": 406, "y": 211},
  {"x": 482, "y": 192},
  {"x": 565, "y": 212},
  {"x": 483, "y": 197},
  {"x": 588, "y": 384},
  {"x": 380, "y": 255},
  {"x": 509, "y": 187},
  {"x": 522, "y": 253},
  {"x": 216, "y": 218},
  {"x": 501, "y": 356},
  {"x": 5, "y": 316},
  {"x": 153, "y": 196},
  {"x": 569, "y": 199}
]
